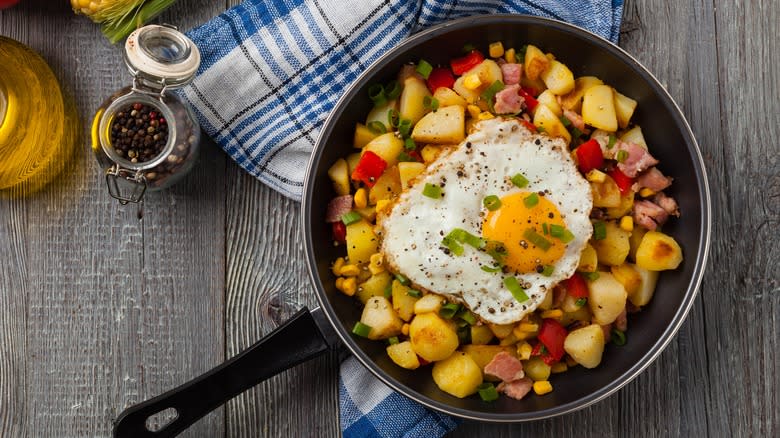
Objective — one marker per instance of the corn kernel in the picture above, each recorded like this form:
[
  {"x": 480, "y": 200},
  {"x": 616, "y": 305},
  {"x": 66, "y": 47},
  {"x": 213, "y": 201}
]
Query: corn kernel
[
  {"x": 509, "y": 56},
  {"x": 558, "y": 367},
  {"x": 524, "y": 351},
  {"x": 553, "y": 313},
  {"x": 570, "y": 362},
  {"x": 646, "y": 192},
  {"x": 337, "y": 265},
  {"x": 496, "y": 49},
  {"x": 361, "y": 199},
  {"x": 375, "y": 264},
  {"x": 542, "y": 387},
  {"x": 528, "y": 327},
  {"x": 485, "y": 115},
  {"x": 350, "y": 271},
  {"x": 594, "y": 175},
  {"x": 627, "y": 223},
  {"x": 405, "y": 329},
  {"x": 430, "y": 152},
  {"x": 521, "y": 335},
  {"x": 471, "y": 81},
  {"x": 381, "y": 204},
  {"x": 473, "y": 111},
  {"x": 349, "y": 286}
]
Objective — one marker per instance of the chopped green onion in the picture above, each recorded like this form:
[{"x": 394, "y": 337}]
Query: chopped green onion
[
  {"x": 402, "y": 279},
  {"x": 489, "y": 269},
  {"x": 424, "y": 68},
  {"x": 388, "y": 292},
  {"x": 431, "y": 102},
  {"x": 621, "y": 156},
  {"x": 487, "y": 392},
  {"x": 567, "y": 237},
  {"x": 463, "y": 236},
  {"x": 464, "y": 334},
  {"x": 531, "y": 200},
  {"x": 618, "y": 337},
  {"x": 581, "y": 302},
  {"x": 393, "y": 340},
  {"x": 590, "y": 276},
  {"x": 414, "y": 293},
  {"x": 404, "y": 127},
  {"x": 467, "y": 316},
  {"x": 612, "y": 140},
  {"x": 377, "y": 127},
  {"x": 468, "y": 47},
  {"x": 599, "y": 230},
  {"x": 361, "y": 329},
  {"x": 519, "y": 180},
  {"x": 566, "y": 122},
  {"x": 497, "y": 250},
  {"x": 351, "y": 217},
  {"x": 392, "y": 90},
  {"x": 377, "y": 95},
  {"x": 453, "y": 245},
  {"x": 521, "y": 53},
  {"x": 409, "y": 144},
  {"x": 544, "y": 229},
  {"x": 432, "y": 191},
  {"x": 548, "y": 270},
  {"x": 576, "y": 133},
  {"x": 404, "y": 157},
  {"x": 490, "y": 92},
  {"x": 540, "y": 129},
  {"x": 392, "y": 118},
  {"x": 491, "y": 202},
  {"x": 537, "y": 239},
  {"x": 557, "y": 230},
  {"x": 449, "y": 310},
  {"x": 513, "y": 285}
]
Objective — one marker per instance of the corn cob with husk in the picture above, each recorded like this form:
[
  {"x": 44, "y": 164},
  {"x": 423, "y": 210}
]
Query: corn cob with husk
[{"x": 118, "y": 18}]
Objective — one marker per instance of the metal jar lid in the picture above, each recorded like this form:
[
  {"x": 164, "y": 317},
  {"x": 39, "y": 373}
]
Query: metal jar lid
[{"x": 161, "y": 56}]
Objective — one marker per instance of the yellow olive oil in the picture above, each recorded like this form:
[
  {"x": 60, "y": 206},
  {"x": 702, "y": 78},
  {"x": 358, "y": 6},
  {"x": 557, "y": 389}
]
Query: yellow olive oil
[{"x": 39, "y": 126}]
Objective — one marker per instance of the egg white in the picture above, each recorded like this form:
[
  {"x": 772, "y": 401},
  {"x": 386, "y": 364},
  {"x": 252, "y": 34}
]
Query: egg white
[{"x": 483, "y": 164}]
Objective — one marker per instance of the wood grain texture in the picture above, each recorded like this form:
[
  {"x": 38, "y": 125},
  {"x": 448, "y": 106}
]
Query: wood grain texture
[{"x": 100, "y": 309}]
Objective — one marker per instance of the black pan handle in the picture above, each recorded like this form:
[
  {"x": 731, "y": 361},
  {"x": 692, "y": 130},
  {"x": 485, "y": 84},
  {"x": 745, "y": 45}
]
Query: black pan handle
[{"x": 297, "y": 340}]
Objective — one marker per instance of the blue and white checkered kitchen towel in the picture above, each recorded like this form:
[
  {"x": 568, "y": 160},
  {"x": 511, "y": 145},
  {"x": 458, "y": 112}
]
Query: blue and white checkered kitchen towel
[{"x": 272, "y": 70}]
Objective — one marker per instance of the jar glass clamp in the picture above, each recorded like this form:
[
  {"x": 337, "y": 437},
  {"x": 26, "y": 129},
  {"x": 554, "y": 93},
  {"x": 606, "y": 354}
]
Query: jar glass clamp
[{"x": 144, "y": 137}]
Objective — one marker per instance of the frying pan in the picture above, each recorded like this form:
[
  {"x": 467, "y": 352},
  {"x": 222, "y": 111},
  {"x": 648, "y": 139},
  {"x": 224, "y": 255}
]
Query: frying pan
[{"x": 308, "y": 334}]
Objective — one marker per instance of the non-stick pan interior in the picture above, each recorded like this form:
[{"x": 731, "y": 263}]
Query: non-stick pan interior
[{"x": 669, "y": 139}]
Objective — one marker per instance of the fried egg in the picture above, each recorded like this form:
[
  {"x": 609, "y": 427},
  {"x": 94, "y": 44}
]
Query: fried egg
[{"x": 446, "y": 238}]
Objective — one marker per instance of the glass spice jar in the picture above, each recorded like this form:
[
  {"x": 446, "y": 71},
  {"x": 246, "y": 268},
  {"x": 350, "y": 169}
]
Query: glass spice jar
[{"x": 144, "y": 137}]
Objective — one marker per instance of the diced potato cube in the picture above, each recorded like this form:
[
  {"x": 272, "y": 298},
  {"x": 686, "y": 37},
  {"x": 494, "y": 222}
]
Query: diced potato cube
[
  {"x": 375, "y": 286},
  {"x": 606, "y": 193},
  {"x": 387, "y": 146},
  {"x": 569, "y": 304},
  {"x": 535, "y": 84},
  {"x": 644, "y": 293},
  {"x": 481, "y": 334},
  {"x": 628, "y": 276},
  {"x": 501, "y": 330},
  {"x": 408, "y": 171},
  {"x": 607, "y": 298},
  {"x": 386, "y": 187},
  {"x": 634, "y": 135},
  {"x": 483, "y": 354},
  {"x": 403, "y": 355},
  {"x": 448, "y": 97},
  {"x": 361, "y": 242},
  {"x": 458, "y": 375},
  {"x": 432, "y": 337},
  {"x": 658, "y": 252},
  {"x": 368, "y": 213},
  {"x": 624, "y": 109},
  {"x": 636, "y": 238},
  {"x": 573, "y": 99},
  {"x": 585, "y": 345},
  {"x": 363, "y": 136},
  {"x": 379, "y": 113},
  {"x": 411, "y": 104},
  {"x": 613, "y": 249},
  {"x": 378, "y": 314},
  {"x": 352, "y": 161},
  {"x": 589, "y": 260},
  {"x": 622, "y": 209},
  {"x": 338, "y": 173},
  {"x": 558, "y": 78},
  {"x": 536, "y": 370},
  {"x": 535, "y": 62},
  {"x": 445, "y": 126},
  {"x": 582, "y": 314},
  {"x": 429, "y": 303},
  {"x": 430, "y": 152},
  {"x": 470, "y": 96},
  {"x": 545, "y": 119},
  {"x": 488, "y": 72},
  {"x": 598, "y": 108},
  {"x": 548, "y": 99},
  {"x": 403, "y": 303},
  {"x": 546, "y": 304}
]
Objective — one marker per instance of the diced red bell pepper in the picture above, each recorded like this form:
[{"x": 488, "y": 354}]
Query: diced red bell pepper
[
  {"x": 416, "y": 155},
  {"x": 530, "y": 100},
  {"x": 440, "y": 77},
  {"x": 465, "y": 63},
  {"x": 552, "y": 334},
  {"x": 369, "y": 168},
  {"x": 623, "y": 181},
  {"x": 339, "y": 232},
  {"x": 576, "y": 286},
  {"x": 589, "y": 156},
  {"x": 528, "y": 125}
]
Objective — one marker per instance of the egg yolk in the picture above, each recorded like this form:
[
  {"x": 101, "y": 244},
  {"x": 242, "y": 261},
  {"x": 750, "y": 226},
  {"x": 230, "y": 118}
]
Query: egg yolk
[{"x": 510, "y": 225}]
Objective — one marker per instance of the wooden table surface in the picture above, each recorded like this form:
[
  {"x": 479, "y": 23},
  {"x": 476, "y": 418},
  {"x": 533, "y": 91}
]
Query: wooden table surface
[{"x": 103, "y": 306}]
